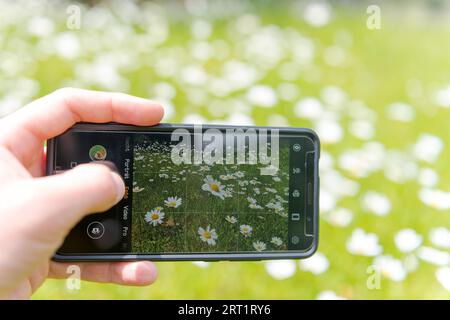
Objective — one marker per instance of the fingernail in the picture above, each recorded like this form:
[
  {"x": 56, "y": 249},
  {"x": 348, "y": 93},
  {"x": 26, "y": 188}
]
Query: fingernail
[
  {"x": 146, "y": 274},
  {"x": 120, "y": 185}
]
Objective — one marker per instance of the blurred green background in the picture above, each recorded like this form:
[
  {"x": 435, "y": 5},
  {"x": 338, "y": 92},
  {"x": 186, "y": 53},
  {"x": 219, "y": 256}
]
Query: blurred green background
[{"x": 378, "y": 98}]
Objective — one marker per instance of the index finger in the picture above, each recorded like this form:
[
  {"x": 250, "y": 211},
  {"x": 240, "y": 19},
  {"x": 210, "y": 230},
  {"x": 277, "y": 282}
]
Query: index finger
[
  {"x": 138, "y": 273},
  {"x": 24, "y": 131}
]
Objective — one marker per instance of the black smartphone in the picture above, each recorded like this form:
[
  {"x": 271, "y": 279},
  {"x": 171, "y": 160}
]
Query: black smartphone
[{"x": 196, "y": 192}]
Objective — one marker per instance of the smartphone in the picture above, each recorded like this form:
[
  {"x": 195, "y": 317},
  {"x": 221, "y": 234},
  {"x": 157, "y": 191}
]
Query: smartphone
[{"x": 194, "y": 192}]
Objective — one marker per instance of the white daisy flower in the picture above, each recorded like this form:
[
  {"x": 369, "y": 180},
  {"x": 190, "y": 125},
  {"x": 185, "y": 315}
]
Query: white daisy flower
[
  {"x": 428, "y": 147},
  {"x": 327, "y": 200},
  {"x": 213, "y": 186},
  {"x": 407, "y": 240},
  {"x": 277, "y": 206},
  {"x": 136, "y": 189},
  {"x": 376, "y": 203},
  {"x": 340, "y": 217},
  {"x": 309, "y": 108},
  {"x": 67, "y": 46},
  {"x": 437, "y": 199},
  {"x": 443, "y": 276},
  {"x": 262, "y": 96},
  {"x": 239, "y": 174},
  {"x": 276, "y": 241},
  {"x": 251, "y": 200},
  {"x": 246, "y": 230},
  {"x": 333, "y": 96},
  {"x": 335, "y": 182},
  {"x": 361, "y": 129},
  {"x": 201, "y": 264},
  {"x": 428, "y": 177},
  {"x": 231, "y": 219},
  {"x": 316, "y": 264},
  {"x": 281, "y": 269},
  {"x": 326, "y": 162},
  {"x": 330, "y": 131},
  {"x": 399, "y": 167},
  {"x": 155, "y": 216},
  {"x": 239, "y": 75},
  {"x": 440, "y": 237},
  {"x": 400, "y": 111},
  {"x": 243, "y": 183},
  {"x": 226, "y": 177},
  {"x": 228, "y": 193},
  {"x": 317, "y": 14},
  {"x": 390, "y": 267},
  {"x": 40, "y": 26},
  {"x": 363, "y": 244},
  {"x": 194, "y": 75},
  {"x": 281, "y": 199},
  {"x": 259, "y": 246},
  {"x": 194, "y": 118},
  {"x": 288, "y": 92},
  {"x": 173, "y": 202},
  {"x": 201, "y": 29},
  {"x": 208, "y": 235},
  {"x": 434, "y": 256},
  {"x": 255, "y": 206},
  {"x": 442, "y": 97},
  {"x": 410, "y": 262},
  {"x": 362, "y": 162},
  {"x": 329, "y": 295}
]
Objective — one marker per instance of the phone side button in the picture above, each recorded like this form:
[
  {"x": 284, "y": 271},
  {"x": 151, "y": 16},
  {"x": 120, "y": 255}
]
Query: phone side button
[
  {"x": 310, "y": 193},
  {"x": 309, "y": 222}
]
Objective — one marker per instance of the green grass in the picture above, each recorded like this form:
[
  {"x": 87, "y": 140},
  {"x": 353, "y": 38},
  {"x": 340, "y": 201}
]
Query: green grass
[{"x": 157, "y": 178}]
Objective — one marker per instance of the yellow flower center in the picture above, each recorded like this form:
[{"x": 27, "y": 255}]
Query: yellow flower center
[
  {"x": 214, "y": 187},
  {"x": 155, "y": 216},
  {"x": 207, "y": 234}
]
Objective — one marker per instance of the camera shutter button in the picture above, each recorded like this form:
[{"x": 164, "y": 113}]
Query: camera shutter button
[{"x": 95, "y": 230}]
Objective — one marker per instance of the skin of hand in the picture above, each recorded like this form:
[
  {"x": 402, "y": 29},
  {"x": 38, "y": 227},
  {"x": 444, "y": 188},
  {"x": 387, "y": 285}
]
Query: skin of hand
[{"x": 37, "y": 212}]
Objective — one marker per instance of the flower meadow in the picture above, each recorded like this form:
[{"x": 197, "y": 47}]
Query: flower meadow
[
  {"x": 378, "y": 99},
  {"x": 206, "y": 208}
]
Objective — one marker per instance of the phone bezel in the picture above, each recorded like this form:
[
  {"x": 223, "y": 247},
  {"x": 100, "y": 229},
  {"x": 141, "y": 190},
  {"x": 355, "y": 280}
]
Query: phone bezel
[{"x": 196, "y": 256}]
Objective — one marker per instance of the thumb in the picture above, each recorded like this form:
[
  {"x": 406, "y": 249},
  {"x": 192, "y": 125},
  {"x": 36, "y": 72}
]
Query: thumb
[
  {"x": 40, "y": 212},
  {"x": 66, "y": 198}
]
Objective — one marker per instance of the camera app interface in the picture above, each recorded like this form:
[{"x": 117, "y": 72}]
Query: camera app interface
[{"x": 197, "y": 191}]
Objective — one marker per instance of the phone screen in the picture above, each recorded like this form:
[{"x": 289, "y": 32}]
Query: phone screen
[{"x": 197, "y": 191}]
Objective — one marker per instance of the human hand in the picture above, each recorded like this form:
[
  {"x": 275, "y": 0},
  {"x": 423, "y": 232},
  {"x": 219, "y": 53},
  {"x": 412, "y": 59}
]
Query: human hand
[{"x": 37, "y": 212}]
